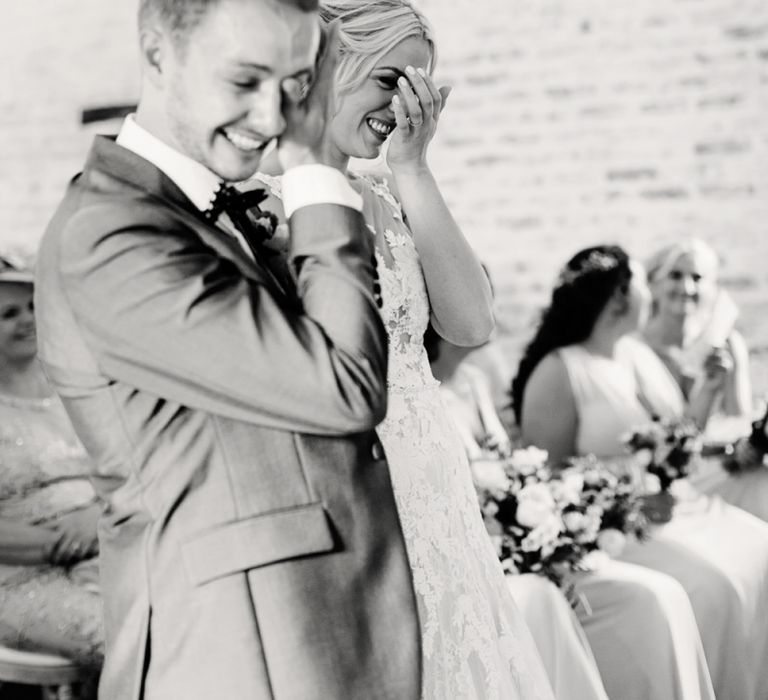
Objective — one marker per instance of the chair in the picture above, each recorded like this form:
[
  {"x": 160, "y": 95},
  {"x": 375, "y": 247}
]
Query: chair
[{"x": 54, "y": 674}]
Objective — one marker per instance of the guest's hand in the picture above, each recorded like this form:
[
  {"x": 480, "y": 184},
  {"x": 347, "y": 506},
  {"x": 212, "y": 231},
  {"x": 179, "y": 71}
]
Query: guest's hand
[
  {"x": 77, "y": 538},
  {"x": 498, "y": 445},
  {"x": 417, "y": 108},
  {"x": 309, "y": 109},
  {"x": 658, "y": 507},
  {"x": 489, "y": 474},
  {"x": 717, "y": 366}
]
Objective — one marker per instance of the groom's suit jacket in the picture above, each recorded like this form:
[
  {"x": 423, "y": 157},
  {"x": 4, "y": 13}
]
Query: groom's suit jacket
[{"x": 250, "y": 546}]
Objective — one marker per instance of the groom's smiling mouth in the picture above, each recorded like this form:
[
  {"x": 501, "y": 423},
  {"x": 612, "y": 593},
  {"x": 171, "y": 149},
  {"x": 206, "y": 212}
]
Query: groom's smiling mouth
[{"x": 245, "y": 142}]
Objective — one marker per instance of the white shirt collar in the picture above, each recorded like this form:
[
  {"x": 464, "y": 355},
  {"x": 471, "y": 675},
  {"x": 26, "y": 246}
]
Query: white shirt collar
[{"x": 195, "y": 180}]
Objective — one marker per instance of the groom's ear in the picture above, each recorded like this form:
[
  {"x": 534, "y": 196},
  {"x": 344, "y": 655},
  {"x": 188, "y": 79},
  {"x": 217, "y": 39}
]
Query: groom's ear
[{"x": 153, "y": 48}]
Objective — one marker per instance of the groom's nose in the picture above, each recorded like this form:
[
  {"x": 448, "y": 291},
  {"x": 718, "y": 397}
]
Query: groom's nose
[{"x": 266, "y": 114}]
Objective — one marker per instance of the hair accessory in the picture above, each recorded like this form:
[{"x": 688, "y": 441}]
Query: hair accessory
[{"x": 596, "y": 261}]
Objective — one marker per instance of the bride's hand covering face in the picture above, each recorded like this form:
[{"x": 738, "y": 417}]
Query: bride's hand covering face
[{"x": 417, "y": 108}]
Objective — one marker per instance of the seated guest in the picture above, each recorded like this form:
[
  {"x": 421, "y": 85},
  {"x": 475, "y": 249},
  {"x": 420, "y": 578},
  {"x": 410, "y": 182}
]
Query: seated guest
[
  {"x": 584, "y": 382},
  {"x": 638, "y": 616},
  {"x": 49, "y": 598},
  {"x": 692, "y": 330},
  {"x": 691, "y": 327}
]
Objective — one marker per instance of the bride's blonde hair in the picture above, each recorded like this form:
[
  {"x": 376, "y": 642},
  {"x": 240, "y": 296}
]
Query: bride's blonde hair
[{"x": 369, "y": 30}]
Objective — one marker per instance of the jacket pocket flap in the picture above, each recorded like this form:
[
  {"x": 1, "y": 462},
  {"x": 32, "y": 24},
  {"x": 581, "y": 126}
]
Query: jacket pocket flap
[{"x": 263, "y": 539}]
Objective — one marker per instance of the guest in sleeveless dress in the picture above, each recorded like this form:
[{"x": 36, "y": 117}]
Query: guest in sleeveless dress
[
  {"x": 558, "y": 635},
  {"x": 583, "y": 384},
  {"x": 692, "y": 329},
  {"x": 49, "y": 598},
  {"x": 475, "y": 643}
]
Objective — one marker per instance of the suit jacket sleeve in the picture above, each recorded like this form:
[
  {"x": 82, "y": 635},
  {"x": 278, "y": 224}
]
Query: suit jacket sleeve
[{"x": 162, "y": 311}]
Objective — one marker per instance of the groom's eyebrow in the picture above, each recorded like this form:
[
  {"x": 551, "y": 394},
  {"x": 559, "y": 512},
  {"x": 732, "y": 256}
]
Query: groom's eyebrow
[
  {"x": 301, "y": 73},
  {"x": 255, "y": 66}
]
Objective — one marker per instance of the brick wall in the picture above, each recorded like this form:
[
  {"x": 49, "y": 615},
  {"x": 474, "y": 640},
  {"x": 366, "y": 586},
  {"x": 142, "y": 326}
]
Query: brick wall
[{"x": 571, "y": 122}]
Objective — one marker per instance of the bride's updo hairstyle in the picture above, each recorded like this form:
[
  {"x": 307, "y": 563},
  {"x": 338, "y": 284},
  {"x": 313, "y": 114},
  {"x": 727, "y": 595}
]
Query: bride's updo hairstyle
[
  {"x": 369, "y": 30},
  {"x": 584, "y": 287}
]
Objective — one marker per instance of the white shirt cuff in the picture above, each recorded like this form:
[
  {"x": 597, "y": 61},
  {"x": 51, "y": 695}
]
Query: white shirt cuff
[{"x": 317, "y": 184}]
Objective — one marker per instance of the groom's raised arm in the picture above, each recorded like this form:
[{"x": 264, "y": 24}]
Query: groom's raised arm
[{"x": 160, "y": 310}]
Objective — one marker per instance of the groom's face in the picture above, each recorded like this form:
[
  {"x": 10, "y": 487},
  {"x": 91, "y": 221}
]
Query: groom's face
[{"x": 223, "y": 89}]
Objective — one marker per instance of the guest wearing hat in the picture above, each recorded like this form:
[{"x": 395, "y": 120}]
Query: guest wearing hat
[{"x": 49, "y": 599}]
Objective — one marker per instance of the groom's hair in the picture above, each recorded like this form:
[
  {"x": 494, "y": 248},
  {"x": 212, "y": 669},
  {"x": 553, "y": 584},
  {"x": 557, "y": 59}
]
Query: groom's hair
[{"x": 180, "y": 17}]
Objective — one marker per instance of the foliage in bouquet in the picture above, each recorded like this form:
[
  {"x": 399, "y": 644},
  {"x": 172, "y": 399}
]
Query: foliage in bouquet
[
  {"x": 748, "y": 453},
  {"x": 618, "y": 495},
  {"x": 666, "y": 448},
  {"x": 546, "y": 522}
]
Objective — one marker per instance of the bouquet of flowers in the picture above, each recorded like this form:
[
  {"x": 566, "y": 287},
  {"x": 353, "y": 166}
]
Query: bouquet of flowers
[
  {"x": 666, "y": 449},
  {"x": 546, "y": 522},
  {"x": 618, "y": 494},
  {"x": 748, "y": 453}
]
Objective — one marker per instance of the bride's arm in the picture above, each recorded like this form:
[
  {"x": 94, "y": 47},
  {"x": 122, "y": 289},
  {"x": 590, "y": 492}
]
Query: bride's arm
[{"x": 458, "y": 288}]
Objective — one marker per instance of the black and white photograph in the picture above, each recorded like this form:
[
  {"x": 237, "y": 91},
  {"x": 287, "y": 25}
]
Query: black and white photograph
[{"x": 384, "y": 350}]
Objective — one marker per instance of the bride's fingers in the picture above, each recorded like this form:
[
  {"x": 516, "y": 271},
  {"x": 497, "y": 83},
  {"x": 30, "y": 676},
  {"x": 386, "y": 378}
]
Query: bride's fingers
[
  {"x": 401, "y": 118},
  {"x": 437, "y": 99},
  {"x": 444, "y": 92},
  {"x": 410, "y": 102},
  {"x": 420, "y": 87}
]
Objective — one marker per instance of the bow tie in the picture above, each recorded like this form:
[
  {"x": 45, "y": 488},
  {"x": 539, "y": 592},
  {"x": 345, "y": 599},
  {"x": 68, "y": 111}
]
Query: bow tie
[{"x": 243, "y": 209}]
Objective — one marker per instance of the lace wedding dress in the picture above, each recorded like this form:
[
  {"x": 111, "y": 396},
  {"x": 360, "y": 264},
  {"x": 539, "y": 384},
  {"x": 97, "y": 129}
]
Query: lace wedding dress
[{"x": 475, "y": 643}]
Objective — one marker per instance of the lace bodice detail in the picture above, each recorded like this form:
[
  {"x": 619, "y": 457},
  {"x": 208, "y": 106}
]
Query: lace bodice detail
[{"x": 405, "y": 309}]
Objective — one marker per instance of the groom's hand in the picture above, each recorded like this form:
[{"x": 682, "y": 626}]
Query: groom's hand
[{"x": 306, "y": 139}]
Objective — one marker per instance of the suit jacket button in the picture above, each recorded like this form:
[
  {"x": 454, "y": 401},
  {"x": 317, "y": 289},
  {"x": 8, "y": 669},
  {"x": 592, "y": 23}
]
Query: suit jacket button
[{"x": 377, "y": 451}]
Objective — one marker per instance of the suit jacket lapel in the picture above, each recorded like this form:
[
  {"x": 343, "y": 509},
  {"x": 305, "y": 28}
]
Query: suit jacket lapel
[{"x": 111, "y": 160}]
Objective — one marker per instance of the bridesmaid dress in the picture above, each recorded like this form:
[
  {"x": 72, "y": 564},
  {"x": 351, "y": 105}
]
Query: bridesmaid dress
[{"x": 719, "y": 554}]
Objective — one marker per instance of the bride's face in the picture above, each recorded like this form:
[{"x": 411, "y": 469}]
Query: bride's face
[
  {"x": 364, "y": 118},
  {"x": 17, "y": 322}
]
